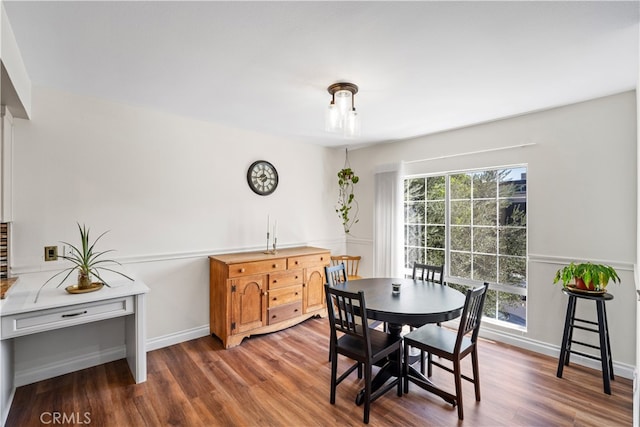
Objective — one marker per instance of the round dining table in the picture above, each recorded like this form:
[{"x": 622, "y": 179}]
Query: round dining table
[{"x": 416, "y": 303}]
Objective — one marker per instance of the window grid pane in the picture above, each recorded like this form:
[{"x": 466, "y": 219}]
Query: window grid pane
[{"x": 484, "y": 235}]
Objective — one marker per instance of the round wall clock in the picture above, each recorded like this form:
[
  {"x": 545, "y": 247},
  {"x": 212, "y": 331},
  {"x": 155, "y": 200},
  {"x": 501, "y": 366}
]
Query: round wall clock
[{"x": 262, "y": 177}]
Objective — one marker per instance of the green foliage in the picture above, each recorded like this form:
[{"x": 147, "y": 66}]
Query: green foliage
[
  {"x": 595, "y": 276},
  {"x": 85, "y": 260},
  {"x": 346, "y": 199}
]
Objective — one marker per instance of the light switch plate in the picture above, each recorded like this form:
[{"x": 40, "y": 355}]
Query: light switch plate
[{"x": 50, "y": 253}]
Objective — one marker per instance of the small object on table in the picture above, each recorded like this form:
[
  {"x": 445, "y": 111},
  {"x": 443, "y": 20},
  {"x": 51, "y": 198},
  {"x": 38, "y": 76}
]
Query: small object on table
[{"x": 395, "y": 288}]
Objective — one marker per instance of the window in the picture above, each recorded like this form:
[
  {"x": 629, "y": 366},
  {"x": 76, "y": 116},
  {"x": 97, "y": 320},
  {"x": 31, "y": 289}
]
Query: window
[{"x": 475, "y": 223}]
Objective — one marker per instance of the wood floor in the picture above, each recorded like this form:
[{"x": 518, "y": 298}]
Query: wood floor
[{"x": 282, "y": 379}]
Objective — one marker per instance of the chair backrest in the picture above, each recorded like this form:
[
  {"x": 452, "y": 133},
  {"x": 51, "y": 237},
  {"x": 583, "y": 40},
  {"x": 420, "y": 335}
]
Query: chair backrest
[
  {"x": 335, "y": 274},
  {"x": 471, "y": 314},
  {"x": 348, "y": 315},
  {"x": 351, "y": 262},
  {"x": 431, "y": 273}
]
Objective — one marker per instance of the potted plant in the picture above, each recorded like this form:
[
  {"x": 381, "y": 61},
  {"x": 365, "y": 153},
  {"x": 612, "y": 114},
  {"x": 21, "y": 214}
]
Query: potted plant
[
  {"x": 586, "y": 276},
  {"x": 346, "y": 199},
  {"x": 87, "y": 262}
]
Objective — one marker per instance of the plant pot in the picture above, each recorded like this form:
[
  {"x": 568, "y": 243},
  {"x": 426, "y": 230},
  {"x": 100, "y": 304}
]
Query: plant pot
[
  {"x": 581, "y": 285},
  {"x": 84, "y": 280}
]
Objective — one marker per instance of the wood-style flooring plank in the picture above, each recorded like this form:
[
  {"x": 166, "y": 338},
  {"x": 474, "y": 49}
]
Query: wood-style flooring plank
[{"x": 282, "y": 379}]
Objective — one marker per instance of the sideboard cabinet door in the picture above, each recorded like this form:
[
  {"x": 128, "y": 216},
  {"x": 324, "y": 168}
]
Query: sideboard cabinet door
[
  {"x": 313, "y": 297},
  {"x": 248, "y": 305}
]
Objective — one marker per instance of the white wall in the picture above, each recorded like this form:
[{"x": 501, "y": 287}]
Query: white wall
[
  {"x": 582, "y": 190},
  {"x": 171, "y": 191},
  {"x": 18, "y": 84}
]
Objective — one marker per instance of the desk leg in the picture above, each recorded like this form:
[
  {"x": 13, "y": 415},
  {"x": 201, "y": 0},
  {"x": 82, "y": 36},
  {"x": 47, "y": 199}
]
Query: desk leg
[
  {"x": 7, "y": 384},
  {"x": 135, "y": 331}
]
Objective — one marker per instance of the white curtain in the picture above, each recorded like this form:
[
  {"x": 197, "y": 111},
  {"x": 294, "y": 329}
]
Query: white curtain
[{"x": 387, "y": 220}]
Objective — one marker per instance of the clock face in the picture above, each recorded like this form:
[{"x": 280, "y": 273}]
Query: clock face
[{"x": 262, "y": 177}]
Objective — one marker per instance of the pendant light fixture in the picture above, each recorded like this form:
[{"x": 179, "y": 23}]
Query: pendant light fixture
[{"x": 341, "y": 115}]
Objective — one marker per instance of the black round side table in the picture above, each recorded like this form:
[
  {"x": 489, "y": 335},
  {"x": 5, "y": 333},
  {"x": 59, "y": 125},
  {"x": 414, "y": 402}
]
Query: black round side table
[{"x": 602, "y": 331}]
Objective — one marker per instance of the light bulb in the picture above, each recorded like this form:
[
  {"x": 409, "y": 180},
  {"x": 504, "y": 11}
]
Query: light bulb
[
  {"x": 343, "y": 101},
  {"x": 352, "y": 124},
  {"x": 333, "y": 122}
]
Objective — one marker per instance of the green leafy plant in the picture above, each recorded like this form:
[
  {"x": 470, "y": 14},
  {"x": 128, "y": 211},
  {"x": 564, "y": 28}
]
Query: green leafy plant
[
  {"x": 346, "y": 199},
  {"x": 87, "y": 262},
  {"x": 595, "y": 276}
]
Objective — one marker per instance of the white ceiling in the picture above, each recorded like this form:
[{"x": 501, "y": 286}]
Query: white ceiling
[{"x": 422, "y": 67}]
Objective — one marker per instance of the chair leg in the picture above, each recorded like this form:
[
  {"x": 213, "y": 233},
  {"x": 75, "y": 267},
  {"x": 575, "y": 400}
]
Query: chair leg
[
  {"x": 405, "y": 368},
  {"x": 400, "y": 371},
  {"x": 367, "y": 391},
  {"x": 476, "y": 373},
  {"x": 458, "y": 379},
  {"x": 429, "y": 365},
  {"x": 422, "y": 356},
  {"x": 334, "y": 375},
  {"x": 359, "y": 371}
]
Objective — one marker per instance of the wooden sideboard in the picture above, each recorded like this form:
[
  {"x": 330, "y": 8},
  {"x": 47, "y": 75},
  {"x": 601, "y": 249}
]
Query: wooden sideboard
[{"x": 254, "y": 293}]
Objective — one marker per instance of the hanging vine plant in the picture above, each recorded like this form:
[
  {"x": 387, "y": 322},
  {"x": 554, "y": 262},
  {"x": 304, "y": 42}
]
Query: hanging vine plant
[{"x": 347, "y": 207}]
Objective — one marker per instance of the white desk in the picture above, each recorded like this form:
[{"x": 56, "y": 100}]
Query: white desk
[{"x": 55, "y": 309}]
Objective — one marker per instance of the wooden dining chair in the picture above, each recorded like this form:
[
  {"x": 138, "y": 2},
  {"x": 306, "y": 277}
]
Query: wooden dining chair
[
  {"x": 430, "y": 273},
  {"x": 335, "y": 274},
  {"x": 450, "y": 345},
  {"x": 348, "y": 317},
  {"x": 351, "y": 262}
]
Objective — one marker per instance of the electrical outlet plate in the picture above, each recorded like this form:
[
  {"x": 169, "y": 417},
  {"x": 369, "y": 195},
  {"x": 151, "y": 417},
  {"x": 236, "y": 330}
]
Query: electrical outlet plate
[{"x": 50, "y": 253}]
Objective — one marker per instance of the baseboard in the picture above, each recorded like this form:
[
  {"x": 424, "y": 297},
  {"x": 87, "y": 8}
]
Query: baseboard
[
  {"x": 66, "y": 366},
  {"x": 177, "y": 337},
  {"x": 620, "y": 369}
]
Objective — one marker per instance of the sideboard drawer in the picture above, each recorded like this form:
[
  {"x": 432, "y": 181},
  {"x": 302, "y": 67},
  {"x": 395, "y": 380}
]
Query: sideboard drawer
[
  {"x": 309, "y": 261},
  {"x": 257, "y": 267},
  {"x": 285, "y": 312},
  {"x": 285, "y": 295},
  {"x": 55, "y": 318},
  {"x": 286, "y": 278}
]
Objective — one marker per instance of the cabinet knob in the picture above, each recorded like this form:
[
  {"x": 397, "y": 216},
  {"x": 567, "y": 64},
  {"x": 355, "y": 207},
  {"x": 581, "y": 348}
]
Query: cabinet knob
[
  {"x": 296, "y": 277},
  {"x": 274, "y": 298},
  {"x": 296, "y": 262},
  {"x": 275, "y": 265},
  {"x": 242, "y": 270},
  {"x": 321, "y": 258},
  {"x": 275, "y": 281},
  {"x": 296, "y": 293}
]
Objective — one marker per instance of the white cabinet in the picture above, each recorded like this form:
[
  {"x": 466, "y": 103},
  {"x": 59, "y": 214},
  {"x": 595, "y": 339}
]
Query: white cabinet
[
  {"x": 6, "y": 164},
  {"x": 20, "y": 316}
]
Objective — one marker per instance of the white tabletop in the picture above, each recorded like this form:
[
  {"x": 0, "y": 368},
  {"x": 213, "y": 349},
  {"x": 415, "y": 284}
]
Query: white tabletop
[{"x": 21, "y": 297}]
